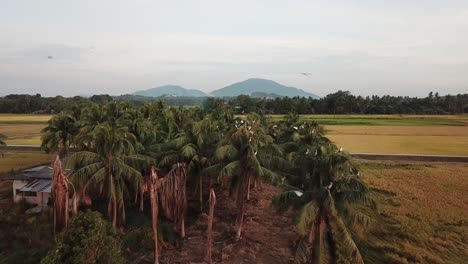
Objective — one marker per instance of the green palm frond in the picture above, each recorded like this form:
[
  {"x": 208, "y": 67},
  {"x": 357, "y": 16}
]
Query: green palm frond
[
  {"x": 302, "y": 254},
  {"x": 308, "y": 214},
  {"x": 226, "y": 152},
  {"x": 81, "y": 176},
  {"x": 287, "y": 199},
  {"x": 81, "y": 159},
  {"x": 188, "y": 151},
  {"x": 231, "y": 169},
  {"x": 345, "y": 241}
]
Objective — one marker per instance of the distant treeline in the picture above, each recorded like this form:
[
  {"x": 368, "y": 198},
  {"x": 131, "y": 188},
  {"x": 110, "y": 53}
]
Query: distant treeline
[{"x": 341, "y": 102}]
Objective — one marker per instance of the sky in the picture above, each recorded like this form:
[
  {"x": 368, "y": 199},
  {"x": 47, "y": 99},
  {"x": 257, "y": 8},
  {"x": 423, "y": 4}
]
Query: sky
[{"x": 398, "y": 47}]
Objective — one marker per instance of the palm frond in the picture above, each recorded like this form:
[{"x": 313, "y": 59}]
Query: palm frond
[{"x": 308, "y": 214}]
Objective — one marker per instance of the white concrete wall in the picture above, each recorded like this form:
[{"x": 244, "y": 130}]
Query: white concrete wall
[{"x": 40, "y": 198}]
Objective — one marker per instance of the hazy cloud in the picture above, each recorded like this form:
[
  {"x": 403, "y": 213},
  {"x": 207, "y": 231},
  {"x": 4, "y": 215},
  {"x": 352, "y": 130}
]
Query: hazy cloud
[{"x": 367, "y": 47}]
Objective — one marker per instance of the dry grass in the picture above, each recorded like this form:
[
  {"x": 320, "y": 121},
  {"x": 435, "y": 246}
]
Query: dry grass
[
  {"x": 443, "y": 140},
  {"x": 24, "y": 118},
  {"x": 28, "y": 141},
  {"x": 385, "y": 120},
  {"x": 18, "y": 160},
  {"x": 22, "y": 129},
  {"x": 423, "y": 213}
]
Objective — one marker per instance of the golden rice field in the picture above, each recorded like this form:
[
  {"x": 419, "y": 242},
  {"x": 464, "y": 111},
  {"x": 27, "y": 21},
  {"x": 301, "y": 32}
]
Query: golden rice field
[
  {"x": 22, "y": 129},
  {"x": 19, "y": 160},
  {"x": 392, "y": 134},
  {"x": 430, "y": 140},
  {"x": 422, "y": 215}
]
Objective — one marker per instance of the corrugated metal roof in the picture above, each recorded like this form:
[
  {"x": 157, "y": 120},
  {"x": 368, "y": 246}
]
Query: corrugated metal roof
[
  {"x": 37, "y": 186},
  {"x": 35, "y": 169}
]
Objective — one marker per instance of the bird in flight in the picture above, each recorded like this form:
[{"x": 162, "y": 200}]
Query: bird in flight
[
  {"x": 306, "y": 73},
  {"x": 50, "y": 57}
]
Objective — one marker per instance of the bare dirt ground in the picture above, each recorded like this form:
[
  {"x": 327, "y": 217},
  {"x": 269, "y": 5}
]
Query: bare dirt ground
[{"x": 267, "y": 236}]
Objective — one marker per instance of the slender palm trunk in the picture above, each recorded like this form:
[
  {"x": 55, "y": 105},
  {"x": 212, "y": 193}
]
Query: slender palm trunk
[
  {"x": 141, "y": 200},
  {"x": 200, "y": 185},
  {"x": 241, "y": 197},
  {"x": 114, "y": 214},
  {"x": 182, "y": 228},
  {"x": 154, "y": 211},
  {"x": 248, "y": 188},
  {"x": 210, "y": 226}
]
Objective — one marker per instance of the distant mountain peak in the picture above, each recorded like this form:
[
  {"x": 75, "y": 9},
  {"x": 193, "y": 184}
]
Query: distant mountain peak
[
  {"x": 255, "y": 86},
  {"x": 170, "y": 90}
]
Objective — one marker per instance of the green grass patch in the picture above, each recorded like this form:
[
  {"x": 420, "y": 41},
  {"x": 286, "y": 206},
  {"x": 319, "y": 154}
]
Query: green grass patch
[{"x": 384, "y": 120}]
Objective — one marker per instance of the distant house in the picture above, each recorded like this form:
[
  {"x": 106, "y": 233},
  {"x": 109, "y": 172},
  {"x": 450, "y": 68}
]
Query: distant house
[{"x": 33, "y": 185}]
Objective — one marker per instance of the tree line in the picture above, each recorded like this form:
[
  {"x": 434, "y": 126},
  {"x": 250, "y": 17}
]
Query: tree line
[{"x": 341, "y": 102}]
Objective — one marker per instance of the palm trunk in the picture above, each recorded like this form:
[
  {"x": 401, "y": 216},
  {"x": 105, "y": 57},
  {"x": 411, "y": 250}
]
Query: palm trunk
[
  {"x": 154, "y": 211},
  {"x": 136, "y": 196},
  {"x": 210, "y": 226},
  {"x": 240, "y": 206},
  {"x": 182, "y": 228},
  {"x": 201, "y": 191},
  {"x": 74, "y": 204},
  {"x": 114, "y": 215},
  {"x": 248, "y": 189},
  {"x": 109, "y": 209},
  {"x": 141, "y": 200}
]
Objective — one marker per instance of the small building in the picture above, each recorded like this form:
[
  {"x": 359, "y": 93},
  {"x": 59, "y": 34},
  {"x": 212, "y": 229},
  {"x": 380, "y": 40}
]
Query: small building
[{"x": 33, "y": 185}]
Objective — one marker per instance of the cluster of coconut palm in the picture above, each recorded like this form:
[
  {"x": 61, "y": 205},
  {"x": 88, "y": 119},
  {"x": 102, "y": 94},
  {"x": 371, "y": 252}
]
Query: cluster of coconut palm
[{"x": 119, "y": 152}]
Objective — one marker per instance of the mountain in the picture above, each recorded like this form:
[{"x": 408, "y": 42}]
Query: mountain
[
  {"x": 252, "y": 86},
  {"x": 170, "y": 90}
]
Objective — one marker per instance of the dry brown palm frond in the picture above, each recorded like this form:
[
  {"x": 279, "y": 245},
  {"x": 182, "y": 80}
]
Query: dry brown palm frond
[
  {"x": 153, "y": 184},
  {"x": 59, "y": 197},
  {"x": 174, "y": 195},
  {"x": 210, "y": 226}
]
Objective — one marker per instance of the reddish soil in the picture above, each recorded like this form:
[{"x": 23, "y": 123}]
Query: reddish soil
[{"x": 267, "y": 237}]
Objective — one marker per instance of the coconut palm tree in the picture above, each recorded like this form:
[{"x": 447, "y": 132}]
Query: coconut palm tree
[
  {"x": 326, "y": 187},
  {"x": 59, "y": 134},
  {"x": 238, "y": 160},
  {"x": 194, "y": 146},
  {"x": 109, "y": 169}
]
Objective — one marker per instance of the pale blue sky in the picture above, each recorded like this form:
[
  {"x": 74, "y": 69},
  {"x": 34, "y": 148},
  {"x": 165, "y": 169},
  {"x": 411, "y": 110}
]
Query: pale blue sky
[{"x": 110, "y": 46}]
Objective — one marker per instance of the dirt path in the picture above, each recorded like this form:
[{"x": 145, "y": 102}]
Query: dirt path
[{"x": 267, "y": 236}]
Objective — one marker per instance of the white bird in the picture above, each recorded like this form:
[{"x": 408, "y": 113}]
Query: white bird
[
  {"x": 307, "y": 152},
  {"x": 329, "y": 186},
  {"x": 255, "y": 153},
  {"x": 275, "y": 126},
  {"x": 341, "y": 149},
  {"x": 249, "y": 127},
  {"x": 298, "y": 193},
  {"x": 295, "y": 128},
  {"x": 242, "y": 121}
]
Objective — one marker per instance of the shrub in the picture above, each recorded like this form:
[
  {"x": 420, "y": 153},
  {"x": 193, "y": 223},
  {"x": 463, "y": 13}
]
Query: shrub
[{"x": 88, "y": 239}]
